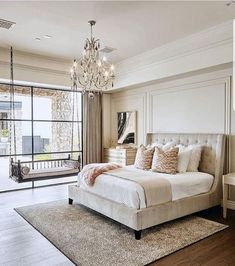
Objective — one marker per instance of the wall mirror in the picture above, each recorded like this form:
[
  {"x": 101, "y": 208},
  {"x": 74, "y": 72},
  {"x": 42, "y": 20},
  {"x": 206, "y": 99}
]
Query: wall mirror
[{"x": 126, "y": 127}]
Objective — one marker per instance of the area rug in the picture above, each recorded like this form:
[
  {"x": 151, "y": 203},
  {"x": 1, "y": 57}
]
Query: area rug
[{"x": 88, "y": 238}]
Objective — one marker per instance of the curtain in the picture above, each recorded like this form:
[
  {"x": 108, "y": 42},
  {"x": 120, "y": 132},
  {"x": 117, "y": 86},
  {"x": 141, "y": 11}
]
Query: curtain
[{"x": 92, "y": 129}]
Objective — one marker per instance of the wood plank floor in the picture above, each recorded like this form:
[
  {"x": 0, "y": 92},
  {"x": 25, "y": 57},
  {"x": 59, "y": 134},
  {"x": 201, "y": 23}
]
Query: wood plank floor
[
  {"x": 216, "y": 250},
  {"x": 21, "y": 245}
]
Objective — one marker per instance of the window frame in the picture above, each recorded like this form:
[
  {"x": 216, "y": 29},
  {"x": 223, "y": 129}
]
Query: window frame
[{"x": 32, "y": 120}]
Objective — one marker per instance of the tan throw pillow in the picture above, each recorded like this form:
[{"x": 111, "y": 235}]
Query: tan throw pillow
[
  {"x": 165, "y": 161},
  {"x": 143, "y": 159},
  {"x": 208, "y": 158}
]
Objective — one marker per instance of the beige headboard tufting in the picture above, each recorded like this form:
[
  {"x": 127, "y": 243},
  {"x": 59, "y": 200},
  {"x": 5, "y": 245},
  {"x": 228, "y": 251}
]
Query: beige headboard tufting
[{"x": 213, "y": 151}]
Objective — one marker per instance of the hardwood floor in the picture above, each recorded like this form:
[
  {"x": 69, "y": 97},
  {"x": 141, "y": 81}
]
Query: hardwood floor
[
  {"x": 216, "y": 250},
  {"x": 21, "y": 244}
]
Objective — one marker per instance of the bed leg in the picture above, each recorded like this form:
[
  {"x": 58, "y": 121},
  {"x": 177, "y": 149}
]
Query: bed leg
[
  {"x": 137, "y": 235},
  {"x": 70, "y": 201}
]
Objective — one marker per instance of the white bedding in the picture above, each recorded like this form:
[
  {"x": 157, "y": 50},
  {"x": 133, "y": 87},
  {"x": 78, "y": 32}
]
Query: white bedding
[{"x": 132, "y": 194}]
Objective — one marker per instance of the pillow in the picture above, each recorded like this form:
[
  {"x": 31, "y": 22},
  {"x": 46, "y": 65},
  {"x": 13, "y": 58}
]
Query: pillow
[
  {"x": 184, "y": 156},
  {"x": 25, "y": 170},
  {"x": 165, "y": 161},
  {"x": 143, "y": 159},
  {"x": 195, "y": 158},
  {"x": 74, "y": 164},
  {"x": 208, "y": 158},
  {"x": 168, "y": 145},
  {"x": 165, "y": 147}
]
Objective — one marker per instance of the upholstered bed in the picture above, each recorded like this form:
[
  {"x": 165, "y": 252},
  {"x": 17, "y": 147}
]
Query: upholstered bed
[{"x": 190, "y": 192}]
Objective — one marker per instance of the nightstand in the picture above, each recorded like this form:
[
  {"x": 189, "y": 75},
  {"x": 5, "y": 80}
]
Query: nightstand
[
  {"x": 228, "y": 180},
  {"x": 120, "y": 156}
]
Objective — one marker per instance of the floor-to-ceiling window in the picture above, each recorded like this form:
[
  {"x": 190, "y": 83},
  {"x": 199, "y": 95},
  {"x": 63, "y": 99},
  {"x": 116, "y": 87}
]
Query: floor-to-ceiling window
[{"x": 47, "y": 124}]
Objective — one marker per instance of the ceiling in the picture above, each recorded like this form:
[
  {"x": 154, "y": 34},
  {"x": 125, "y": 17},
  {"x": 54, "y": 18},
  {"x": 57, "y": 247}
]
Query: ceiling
[{"x": 130, "y": 27}]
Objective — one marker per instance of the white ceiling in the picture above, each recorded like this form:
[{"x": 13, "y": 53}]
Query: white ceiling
[{"x": 131, "y": 27}]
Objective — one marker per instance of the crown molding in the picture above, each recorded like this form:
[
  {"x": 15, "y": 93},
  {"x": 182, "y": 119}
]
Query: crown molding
[
  {"x": 34, "y": 62},
  {"x": 207, "y": 48},
  {"x": 35, "y": 69}
]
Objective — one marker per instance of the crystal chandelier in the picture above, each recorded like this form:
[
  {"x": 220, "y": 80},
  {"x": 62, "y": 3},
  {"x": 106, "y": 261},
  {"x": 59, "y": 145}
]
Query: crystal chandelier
[{"x": 91, "y": 72}]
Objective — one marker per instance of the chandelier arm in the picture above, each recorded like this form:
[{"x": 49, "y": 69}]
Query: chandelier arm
[
  {"x": 92, "y": 73},
  {"x": 102, "y": 85},
  {"x": 82, "y": 84}
]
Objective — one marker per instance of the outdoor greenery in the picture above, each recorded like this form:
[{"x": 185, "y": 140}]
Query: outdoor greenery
[
  {"x": 47, "y": 149},
  {"x": 4, "y": 133},
  {"x": 43, "y": 157}
]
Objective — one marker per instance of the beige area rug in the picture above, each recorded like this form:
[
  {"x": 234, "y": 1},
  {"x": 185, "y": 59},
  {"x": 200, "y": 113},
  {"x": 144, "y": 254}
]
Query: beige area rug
[{"x": 88, "y": 238}]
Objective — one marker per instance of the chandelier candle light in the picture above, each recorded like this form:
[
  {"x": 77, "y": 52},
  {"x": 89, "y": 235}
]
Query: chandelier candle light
[{"x": 92, "y": 73}]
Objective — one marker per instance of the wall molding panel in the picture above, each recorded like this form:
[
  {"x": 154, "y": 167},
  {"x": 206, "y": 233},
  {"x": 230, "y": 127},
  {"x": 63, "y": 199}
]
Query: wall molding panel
[
  {"x": 223, "y": 82},
  {"x": 129, "y": 103},
  {"x": 130, "y": 99},
  {"x": 208, "y": 98}
]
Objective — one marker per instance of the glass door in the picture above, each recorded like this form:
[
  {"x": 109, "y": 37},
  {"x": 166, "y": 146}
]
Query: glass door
[{"x": 44, "y": 119}]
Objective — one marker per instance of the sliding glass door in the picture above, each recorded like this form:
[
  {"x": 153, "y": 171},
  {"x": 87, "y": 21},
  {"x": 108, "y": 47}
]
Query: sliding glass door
[{"x": 48, "y": 125}]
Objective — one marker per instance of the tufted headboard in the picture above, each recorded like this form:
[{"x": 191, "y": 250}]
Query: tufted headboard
[{"x": 213, "y": 149}]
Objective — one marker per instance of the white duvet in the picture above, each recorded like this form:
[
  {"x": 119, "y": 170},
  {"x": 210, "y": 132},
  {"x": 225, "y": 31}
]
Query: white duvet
[{"x": 132, "y": 194}]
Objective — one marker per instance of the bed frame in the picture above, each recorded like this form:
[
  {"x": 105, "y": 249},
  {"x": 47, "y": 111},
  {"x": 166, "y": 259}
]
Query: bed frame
[{"x": 212, "y": 162}]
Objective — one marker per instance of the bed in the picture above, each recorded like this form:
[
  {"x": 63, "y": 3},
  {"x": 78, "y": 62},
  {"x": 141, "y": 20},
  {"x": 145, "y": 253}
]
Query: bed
[{"x": 173, "y": 196}]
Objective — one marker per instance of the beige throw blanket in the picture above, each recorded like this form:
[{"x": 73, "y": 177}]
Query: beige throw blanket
[{"x": 157, "y": 189}]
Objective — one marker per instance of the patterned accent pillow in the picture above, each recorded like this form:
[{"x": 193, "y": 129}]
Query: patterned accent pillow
[
  {"x": 143, "y": 159},
  {"x": 165, "y": 161}
]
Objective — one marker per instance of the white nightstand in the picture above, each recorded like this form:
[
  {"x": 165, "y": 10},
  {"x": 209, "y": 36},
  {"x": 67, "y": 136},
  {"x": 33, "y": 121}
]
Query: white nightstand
[
  {"x": 228, "y": 180},
  {"x": 120, "y": 156}
]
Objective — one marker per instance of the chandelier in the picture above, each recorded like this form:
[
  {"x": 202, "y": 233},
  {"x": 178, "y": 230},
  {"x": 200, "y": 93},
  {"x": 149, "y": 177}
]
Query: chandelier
[{"x": 91, "y": 72}]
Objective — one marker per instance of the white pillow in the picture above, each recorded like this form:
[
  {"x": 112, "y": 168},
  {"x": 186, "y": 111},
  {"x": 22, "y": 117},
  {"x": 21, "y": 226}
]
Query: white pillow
[
  {"x": 164, "y": 147},
  {"x": 183, "y": 158},
  {"x": 195, "y": 158},
  {"x": 169, "y": 145}
]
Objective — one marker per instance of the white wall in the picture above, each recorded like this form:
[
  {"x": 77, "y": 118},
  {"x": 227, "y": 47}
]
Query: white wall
[{"x": 200, "y": 103}]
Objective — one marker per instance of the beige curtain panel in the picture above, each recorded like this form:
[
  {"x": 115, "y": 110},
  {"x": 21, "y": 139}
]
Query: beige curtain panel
[{"x": 92, "y": 129}]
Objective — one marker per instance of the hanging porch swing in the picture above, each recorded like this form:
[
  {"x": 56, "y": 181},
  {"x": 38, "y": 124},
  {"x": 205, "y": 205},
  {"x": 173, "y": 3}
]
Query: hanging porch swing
[{"x": 30, "y": 171}]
